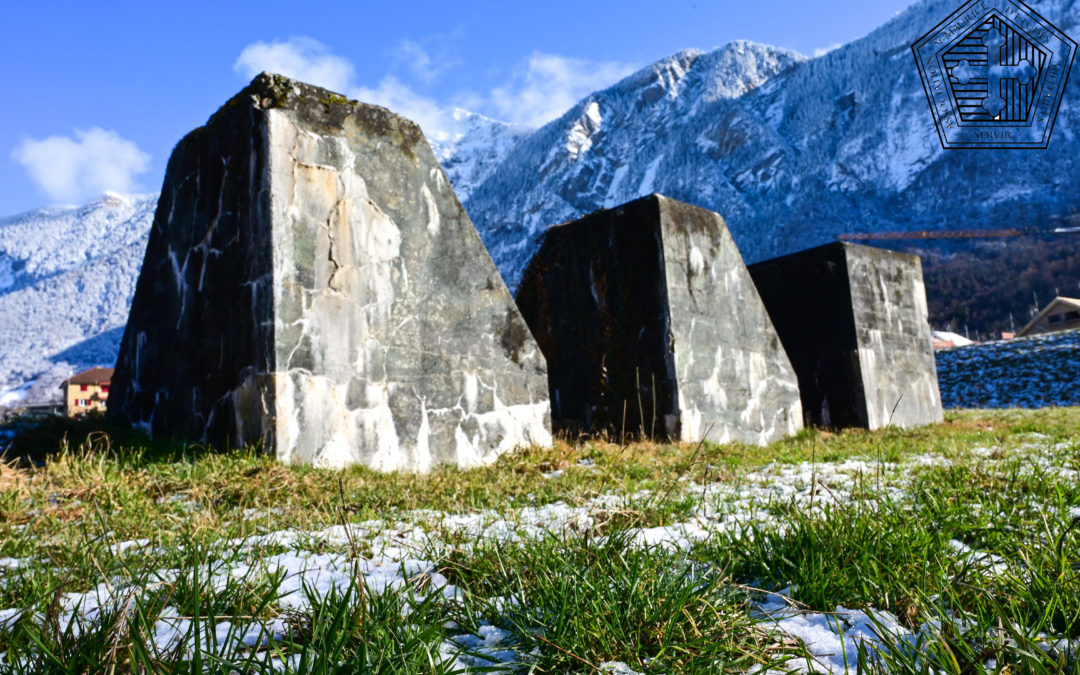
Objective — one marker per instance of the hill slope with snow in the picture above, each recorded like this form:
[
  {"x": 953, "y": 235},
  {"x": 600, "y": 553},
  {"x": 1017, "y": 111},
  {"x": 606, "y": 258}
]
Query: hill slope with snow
[
  {"x": 1033, "y": 372},
  {"x": 637, "y": 137},
  {"x": 67, "y": 276}
]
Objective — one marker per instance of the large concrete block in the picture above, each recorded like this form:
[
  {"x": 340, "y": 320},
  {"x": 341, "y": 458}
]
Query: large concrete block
[
  {"x": 650, "y": 323},
  {"x": 854, "y": 322},
  {"x": 312, "y": 283}
]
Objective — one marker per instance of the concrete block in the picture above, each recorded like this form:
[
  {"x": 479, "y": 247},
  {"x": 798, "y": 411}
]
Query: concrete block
[
  {"x": 651, "y": 324},
  {"x": 312, "y": 284},
  {"x": 854, "y": 322}
]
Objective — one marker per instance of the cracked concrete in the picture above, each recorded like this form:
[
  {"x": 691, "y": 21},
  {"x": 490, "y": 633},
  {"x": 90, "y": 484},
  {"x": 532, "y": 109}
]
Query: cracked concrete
[{"x": 350, "y": 313}]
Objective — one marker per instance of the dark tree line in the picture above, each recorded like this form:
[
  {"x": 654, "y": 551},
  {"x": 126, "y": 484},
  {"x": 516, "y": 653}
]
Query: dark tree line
[{"x": 986, "y": 287}]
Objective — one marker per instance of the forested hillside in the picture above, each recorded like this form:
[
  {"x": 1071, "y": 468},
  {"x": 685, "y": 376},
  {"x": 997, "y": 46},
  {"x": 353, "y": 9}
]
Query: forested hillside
[{"x": 987, "y": 287}]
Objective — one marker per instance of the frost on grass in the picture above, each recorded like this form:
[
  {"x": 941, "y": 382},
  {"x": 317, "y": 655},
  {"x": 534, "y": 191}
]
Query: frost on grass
[
  {"x": 299, "y": 570},
  {"x": 832, "y": 640}
]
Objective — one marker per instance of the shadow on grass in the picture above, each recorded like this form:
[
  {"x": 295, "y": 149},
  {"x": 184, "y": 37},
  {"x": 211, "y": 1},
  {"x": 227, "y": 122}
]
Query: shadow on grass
[{"x": 33, "y": 442}]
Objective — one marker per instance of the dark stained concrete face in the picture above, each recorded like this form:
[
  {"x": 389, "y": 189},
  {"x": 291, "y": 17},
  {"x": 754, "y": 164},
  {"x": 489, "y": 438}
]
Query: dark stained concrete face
[
  {"x": 313, "y": 284},
  {"x": 594, "y": 297},
  {"x": 854, "y": 322},
  {"x": 651, "y": 325}
]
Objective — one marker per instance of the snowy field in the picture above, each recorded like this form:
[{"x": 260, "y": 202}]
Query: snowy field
[
  {"x": 1025, "y": 373},
  {"x": 406, "y": 557}
]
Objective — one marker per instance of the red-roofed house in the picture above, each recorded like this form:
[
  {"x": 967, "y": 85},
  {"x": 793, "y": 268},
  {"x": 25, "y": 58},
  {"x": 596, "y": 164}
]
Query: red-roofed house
[{"x": 86, "y": 391}]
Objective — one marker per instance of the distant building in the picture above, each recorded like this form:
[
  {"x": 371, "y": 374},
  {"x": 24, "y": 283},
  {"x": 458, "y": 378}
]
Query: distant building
[
  {"x": 31, "y": 411},
  {"x": 86, "y": 391},
  {"x": 946, "y": 340},
  {"x": 1061, "y": 314}
]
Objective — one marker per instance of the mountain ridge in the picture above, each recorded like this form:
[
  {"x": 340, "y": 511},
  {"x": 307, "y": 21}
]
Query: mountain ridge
[
  {"x": 840, "y": 143},
  {"x": 578, "y": 159}
]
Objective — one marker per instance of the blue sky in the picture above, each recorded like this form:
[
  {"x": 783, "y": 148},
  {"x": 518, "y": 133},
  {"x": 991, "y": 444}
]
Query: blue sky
[{"x": 97, "y": 93}]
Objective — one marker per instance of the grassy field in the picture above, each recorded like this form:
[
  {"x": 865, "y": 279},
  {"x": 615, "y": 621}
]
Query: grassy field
[{"x": 953, "y": 548}]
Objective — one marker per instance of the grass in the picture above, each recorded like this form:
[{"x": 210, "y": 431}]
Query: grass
[
  {"x": 963, "y": 533},
  {"x": 576, "y": 606}
]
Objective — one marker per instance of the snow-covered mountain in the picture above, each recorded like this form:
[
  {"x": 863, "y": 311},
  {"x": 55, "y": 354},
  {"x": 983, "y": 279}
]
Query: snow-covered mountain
[
  {"x": 651, "y": 132},
  {"x": 67, "y": 276},
  {"x": 472, "y": 147},
  {"x": 791, "y": 151}
]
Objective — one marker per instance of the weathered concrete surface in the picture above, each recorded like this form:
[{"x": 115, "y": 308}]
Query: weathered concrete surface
[
  {"x": 650, "y": 323},
  {"x": 313, "y": 284},
  {"x": 854, "y": 322}
]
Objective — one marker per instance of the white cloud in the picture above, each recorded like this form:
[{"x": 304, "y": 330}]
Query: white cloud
[
  {"x": 539, "y": 90},
  {"x": 548, "y": 84},
  {"x": 300, "y": 58},
  {"x": 308, "y": 60},
  {"x": 75, "y": 170},
  {"x": 419, "y": 62}
]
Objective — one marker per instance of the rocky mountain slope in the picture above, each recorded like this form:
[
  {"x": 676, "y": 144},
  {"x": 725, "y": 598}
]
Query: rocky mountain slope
[
  {"x": 474, "y": 147},
  {"x": 791, "y": 151},
  {"x": 637, "y": 137}
]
